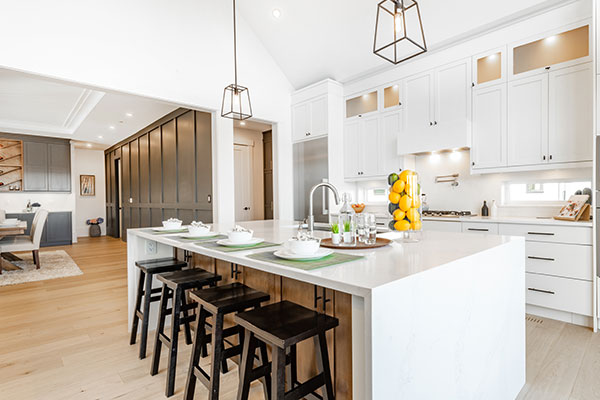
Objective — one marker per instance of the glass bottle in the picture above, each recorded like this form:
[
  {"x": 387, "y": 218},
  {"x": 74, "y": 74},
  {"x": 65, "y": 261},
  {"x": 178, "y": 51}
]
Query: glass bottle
[{"x": 347, "y": 221}]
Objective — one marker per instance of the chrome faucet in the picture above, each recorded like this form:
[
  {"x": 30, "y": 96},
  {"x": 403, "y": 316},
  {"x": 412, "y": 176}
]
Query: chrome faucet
[{"x": 311, "y": 216}]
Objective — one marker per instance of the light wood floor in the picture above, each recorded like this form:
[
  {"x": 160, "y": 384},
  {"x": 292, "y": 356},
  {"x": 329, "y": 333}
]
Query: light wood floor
[{"x": 67, "y": 339}]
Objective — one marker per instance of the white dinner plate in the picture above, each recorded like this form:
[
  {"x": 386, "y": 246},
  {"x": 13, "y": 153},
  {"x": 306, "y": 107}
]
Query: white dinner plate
[
  {"x": 163, "y": 229},
  {"x": 200, "y": 236},
  {"x": 251, "y": 242},
  {"x": 288, "y": 255}
]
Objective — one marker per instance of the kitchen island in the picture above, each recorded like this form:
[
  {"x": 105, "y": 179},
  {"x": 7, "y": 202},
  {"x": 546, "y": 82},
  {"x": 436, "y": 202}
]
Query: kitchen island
[{"x": 443, "y": 318}]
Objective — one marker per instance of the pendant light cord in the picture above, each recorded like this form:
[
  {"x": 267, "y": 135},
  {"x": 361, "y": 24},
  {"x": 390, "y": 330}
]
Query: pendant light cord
[{"x": 234, "y": 47}]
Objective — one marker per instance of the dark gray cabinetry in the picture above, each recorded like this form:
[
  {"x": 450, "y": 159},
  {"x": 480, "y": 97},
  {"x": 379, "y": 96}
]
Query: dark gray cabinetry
[
  {"x": 47, "y": 166},
  {"x": 58, "y": 230}
]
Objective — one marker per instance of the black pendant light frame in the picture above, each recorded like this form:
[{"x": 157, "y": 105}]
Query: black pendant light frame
[
  {"x": 399, "y": 5},
  {"x": 234, "y": 91}
]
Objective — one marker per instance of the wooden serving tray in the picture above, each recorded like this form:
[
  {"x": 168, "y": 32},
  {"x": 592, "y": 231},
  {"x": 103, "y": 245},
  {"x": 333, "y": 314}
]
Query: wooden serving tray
[{"x": 380, "y": 242}]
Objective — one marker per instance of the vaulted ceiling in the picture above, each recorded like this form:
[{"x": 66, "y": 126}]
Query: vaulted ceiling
[{"x": 316, "y": 39}]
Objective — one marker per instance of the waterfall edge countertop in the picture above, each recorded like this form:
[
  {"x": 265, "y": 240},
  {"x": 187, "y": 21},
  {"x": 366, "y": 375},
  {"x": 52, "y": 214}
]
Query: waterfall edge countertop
[{"x": 379, "y": 267}]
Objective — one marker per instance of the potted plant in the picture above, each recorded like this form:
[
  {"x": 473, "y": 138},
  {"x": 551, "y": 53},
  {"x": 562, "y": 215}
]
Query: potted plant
[
  {"x": 335, "y": 233},
  {"x": 95, "y": 226},
  {"x": 348, "y": 234}
]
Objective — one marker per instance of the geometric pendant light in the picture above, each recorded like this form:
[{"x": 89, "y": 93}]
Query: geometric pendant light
[
  {"x": 236, "y": 99},
  {"x": 398, "y": 31}
]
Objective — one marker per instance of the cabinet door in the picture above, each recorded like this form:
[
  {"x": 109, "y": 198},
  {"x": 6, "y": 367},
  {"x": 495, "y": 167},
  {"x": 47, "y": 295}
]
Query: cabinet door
[
  {"x": 35, "y": 166},
  {"x": 452, "y": 105},
  {"x": 571, "y": 114},
  {"x": 489, "y": 127},
  {"x": 389, "y": 160},
  {"x": 528, "y": 120},
  {"x": 418, "y": 114},
  {"x": 318, "y": 117},
  {"x": 58, "y": 229},
  {"x": 368, "y": 147},
  {"x": 351, "y": 149},
  {"x": 300, "y": 121},
  {"x": 59, "y": 168}
]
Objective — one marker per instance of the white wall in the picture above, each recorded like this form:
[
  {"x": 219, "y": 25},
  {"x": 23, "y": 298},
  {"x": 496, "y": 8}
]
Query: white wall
[
  {"x": 89, "y": 162},
  {"x": 254, "y": 139},
  {"x": 174, "y": 51},
  {"x": 474, "y": 189}
]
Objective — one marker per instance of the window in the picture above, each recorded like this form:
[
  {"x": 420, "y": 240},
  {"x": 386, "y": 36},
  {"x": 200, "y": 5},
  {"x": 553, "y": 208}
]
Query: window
[
  {"x": 377, "y": 195},
  {"x": 541, "y": 192}
]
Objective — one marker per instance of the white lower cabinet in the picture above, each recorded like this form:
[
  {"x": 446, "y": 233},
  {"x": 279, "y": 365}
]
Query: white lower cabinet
[
  {"x": 570, "y": 295},
  {"x": 563, "y": 260},
  {"x": 442, "y": 226},
  {"x": 477, "y": 227}
]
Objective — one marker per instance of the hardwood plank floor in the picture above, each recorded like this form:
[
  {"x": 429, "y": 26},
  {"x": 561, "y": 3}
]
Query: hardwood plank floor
[{"x": 67, "y": 339}]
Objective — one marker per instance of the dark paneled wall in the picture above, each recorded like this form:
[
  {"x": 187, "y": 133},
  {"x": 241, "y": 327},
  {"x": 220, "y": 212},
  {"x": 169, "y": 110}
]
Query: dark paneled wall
[{"x": 166, "y": 171}]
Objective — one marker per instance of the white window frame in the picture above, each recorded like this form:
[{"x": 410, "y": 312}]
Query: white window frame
[{"x": 507, "y": 202}]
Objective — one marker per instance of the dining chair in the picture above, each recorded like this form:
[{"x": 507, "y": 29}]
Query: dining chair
[{"x": 29, "y": 242}]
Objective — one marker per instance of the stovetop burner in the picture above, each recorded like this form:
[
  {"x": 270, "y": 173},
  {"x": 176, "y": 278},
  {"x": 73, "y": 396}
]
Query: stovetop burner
[{"x": 436, "y": 213}]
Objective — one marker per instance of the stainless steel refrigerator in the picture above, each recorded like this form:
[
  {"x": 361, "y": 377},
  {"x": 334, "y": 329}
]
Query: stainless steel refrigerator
[{"x": 310, "y": 168}]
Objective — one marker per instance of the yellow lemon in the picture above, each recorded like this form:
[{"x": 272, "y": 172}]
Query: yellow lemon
[
  {"x": 405, "y": 203},
  {"x": 394, "y": 197},
  {"x": 413, "y": 215},
  {"x": 398, "y": 186},
  {"x": 416, "y": 203},
  {"x": 416, "y": 226},
  {"x": 403, "y": 225},
  {"x": 405, "y": 174},
  {"x": 399, "y": 215}
]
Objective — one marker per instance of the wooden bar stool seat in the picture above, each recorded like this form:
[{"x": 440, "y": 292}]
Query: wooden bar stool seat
[
  {"x": 175, "y": 285},
  {"x": 218, "y": 302},
  {"x": 149, "y": 268},
  {"x": 282, "y": 325}
]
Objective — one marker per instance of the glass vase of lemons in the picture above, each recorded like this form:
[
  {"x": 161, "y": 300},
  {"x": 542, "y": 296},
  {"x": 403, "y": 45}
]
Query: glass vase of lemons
[{"x": 405, "y": 204}]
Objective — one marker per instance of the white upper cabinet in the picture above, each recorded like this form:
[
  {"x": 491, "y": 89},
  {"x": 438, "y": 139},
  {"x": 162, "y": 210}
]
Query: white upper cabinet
[
  {"x": 437, "y": 109},
  {"x": 309, "y": 119},
  {"x": 363, "y": 104},
  {"x": 489, "y": 68},
  {"x": 571, "y": 114},
  {"x": 489, "y": 127},
  {"x": 390, "y": 97},
  {"x": 528, "y": 120},
  {"x": 361, "y": 148},
  {"x": 351, "y": 168},
  {"x": 390, "y": 125}
]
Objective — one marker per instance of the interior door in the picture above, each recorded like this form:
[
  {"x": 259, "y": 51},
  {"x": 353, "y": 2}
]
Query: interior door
[
  {"x": 242, "y": 161},
  {"x": 489, "y": 127},
  {"x": 571, "y": 114},
  {"x": 528, "y": 120}
]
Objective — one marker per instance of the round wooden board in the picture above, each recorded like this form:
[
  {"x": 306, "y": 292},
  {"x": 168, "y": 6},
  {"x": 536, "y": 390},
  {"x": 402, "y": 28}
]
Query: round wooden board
[{"x": 380, "y": 242}]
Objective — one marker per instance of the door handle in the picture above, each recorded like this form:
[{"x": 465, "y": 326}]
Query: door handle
[{"x": 540, "y": 258}]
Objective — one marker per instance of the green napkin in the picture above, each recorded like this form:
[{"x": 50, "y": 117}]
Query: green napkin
[{"x": 306, "y": 265}]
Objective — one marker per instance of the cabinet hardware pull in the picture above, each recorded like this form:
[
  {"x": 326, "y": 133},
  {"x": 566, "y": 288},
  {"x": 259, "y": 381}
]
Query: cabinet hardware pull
[
  {"x": 430, "y": 123},
  {"x": 551, "y": 156},
  {"x": 541, "y": 233},
  {"x": 544, "y": 158},
  {"x": 472, "y": 84},
  {"x": 473, "y": 163},
  {"x": 540, "y": 258},
  {"x": 235, "y": 271},
  {"x": 547, "y": 68},
  {"x": 322, "y": 297},
  {"x": 478, "y": 229},
  {"x": 399, "y": 103},
  {"x": 540, "y": 290},
  {"x": 209, "y": 198},
  {"x": 435, "y": 122}
]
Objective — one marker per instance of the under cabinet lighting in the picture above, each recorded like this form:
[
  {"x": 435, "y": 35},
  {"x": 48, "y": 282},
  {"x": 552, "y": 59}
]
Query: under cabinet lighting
[
  {"x": 129, "y": 114},
  {"x": 276, "y": 13},
  {"x": 434, "y": 158},
  {"x": 89, "y": 145},
  {"x": 112, "y": 128},
  {"x": 455, "y": 155},
  {"x": 100, "y": 137}
]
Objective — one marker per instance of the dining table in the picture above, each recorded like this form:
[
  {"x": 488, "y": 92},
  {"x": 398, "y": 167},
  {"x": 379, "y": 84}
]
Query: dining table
[{"x": 6, "y": 258}]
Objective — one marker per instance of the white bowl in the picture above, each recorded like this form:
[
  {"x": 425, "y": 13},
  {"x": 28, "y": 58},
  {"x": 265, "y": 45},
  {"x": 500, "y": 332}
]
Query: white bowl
[
  {"x": 10, "y": 222},
  {"x": 304, "y": 247},
  {"x": 172, "y": 224},
  {"x": 239, "y": 236},
  {"x": 198, "y": 230}
]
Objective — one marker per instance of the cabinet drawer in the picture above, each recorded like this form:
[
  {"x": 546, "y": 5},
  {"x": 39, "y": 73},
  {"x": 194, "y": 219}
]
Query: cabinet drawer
[
  {"x": 545, "y": 233},
  {"x": 442, "y": 226},
  {"x": 563, "y": 294},
  {"x": 479, "y": 227},
  {"x": 567, "y": 260}
]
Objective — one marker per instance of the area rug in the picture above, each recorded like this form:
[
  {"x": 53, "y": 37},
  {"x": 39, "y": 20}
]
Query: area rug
[{"x": 54, "y": 264}]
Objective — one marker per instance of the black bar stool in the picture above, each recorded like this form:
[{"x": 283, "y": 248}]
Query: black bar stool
[
  {"x": 218, "y": 302},
  {"x": 149, "y": 268},
  {"x": 175, "y": 285},
  {"x": 282, "y": 325}
]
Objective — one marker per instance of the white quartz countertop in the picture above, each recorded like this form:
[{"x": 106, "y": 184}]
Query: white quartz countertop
[
  {"x": 512, "y": 220},
  {"x": 379, "y": 267}
]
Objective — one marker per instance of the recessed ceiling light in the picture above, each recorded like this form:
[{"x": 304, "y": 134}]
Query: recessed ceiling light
[
  {"x": 277, "y": 13},
  {"x": 100, "y": 137},
  {"x": 89, "y": 145},
  {"x": 242, "y": 123},
  {"x": 111, "y": 127},
  {"x": 129, "y": 114}
]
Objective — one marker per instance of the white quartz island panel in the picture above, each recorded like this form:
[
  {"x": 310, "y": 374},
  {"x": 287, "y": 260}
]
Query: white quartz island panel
[{"x": 440, "y": 318}]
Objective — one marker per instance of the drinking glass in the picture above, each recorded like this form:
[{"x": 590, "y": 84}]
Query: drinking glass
[
  {"x": 370, "y": 228},
  {"x": 362, "y": 228}
]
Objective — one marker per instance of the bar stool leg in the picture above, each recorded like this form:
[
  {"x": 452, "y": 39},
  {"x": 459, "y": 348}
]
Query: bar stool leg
[
  {"x": 292, "y": 369},
  {"x": 160, "y": 327},
  {"x": 146, "y": 316},
  {"x": 199, "y": 343},
  {"x": 264, "y": 360},
  {"x": 138, "y": 303},
  {"x": 217, "y": 353},
  {"x": 246, "y": 365},
  {"x": 323, "y": 365},
  {"x": 278, "y": 373},
  {"x": 174, "y": 342},
  {"x": 188, "y": 331}
]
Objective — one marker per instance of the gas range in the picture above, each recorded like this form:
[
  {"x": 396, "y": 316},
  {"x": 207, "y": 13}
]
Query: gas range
[{"x": 448, "y": 214}]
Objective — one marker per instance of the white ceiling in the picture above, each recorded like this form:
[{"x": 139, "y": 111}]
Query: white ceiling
[
  {"x": 38, "y": 106},
  {"x": 317, "y": 39}
]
